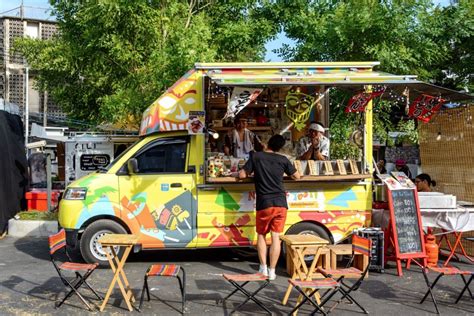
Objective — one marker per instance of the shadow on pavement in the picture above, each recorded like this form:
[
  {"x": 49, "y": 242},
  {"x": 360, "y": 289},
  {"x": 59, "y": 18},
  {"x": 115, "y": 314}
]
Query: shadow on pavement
[{"x": 39, "y": 251}]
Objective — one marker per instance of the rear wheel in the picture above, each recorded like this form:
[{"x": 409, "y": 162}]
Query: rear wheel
[
  {"x": 91, "y": 250},
  {"x": 309, "y": 229}
]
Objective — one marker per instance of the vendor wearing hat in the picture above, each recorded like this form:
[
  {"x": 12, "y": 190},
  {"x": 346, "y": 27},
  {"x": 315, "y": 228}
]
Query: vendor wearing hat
[
  {"x": 401, "y": 166},
  {"x": 314, "y": 146}
]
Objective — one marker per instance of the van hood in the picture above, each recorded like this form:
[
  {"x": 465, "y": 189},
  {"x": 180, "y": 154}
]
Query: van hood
[{"x": 86, "y": 180}]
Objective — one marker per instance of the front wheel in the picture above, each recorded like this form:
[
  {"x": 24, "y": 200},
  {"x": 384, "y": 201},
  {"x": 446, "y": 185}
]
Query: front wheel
[{"x": 91, "y": 250}]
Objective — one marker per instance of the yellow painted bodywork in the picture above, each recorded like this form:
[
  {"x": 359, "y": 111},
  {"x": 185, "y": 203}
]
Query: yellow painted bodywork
[
  {"x": 204, "y": 215},
  {"x": 197, "y": 214}
]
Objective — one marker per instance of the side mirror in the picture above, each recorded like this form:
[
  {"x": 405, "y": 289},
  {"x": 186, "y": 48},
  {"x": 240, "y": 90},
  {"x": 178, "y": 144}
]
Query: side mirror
[{"x": 132, "y": 166}]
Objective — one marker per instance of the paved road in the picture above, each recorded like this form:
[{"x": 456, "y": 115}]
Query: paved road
[{"x": 29, "y": 285}]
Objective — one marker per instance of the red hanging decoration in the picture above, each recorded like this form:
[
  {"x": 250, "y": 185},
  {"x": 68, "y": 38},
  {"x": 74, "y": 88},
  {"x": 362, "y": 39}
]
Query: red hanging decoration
[
  {"x": 425, "y": 106},
  {"x": 359, "y": 101}
]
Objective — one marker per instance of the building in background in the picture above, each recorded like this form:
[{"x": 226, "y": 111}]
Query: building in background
[{"x": 13, "y": 82}]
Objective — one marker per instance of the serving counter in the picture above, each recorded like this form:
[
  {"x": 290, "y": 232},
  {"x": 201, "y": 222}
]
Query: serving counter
[{"x": 351, "y": 177}]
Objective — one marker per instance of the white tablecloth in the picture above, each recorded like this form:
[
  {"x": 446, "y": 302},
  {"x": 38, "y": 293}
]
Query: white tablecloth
[{"x": 460, "y": 219}]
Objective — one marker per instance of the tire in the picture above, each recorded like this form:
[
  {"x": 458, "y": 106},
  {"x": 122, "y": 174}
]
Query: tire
[
  {"x": 91, "y": 250},
  {"x": 309, "y": 229},
  {"x": 306, "y": 228}
]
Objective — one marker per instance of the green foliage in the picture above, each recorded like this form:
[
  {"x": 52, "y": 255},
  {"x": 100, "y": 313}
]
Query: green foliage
[
  {"x": 38, "y": 216},
  {"x": 113, "y": 58},
  {"x": 409, "y": 132},
  {"x": 407, "y": 37},
  {"x": 382, "y": 120},
  {"x": 457, "y": 69},
  {"x": 341, "y": 127}
]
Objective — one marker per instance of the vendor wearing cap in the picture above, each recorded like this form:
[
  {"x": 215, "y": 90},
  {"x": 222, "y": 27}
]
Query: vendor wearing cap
[
  {"x": 401, "y": 166},
  {"x": 314, "y": 146}
]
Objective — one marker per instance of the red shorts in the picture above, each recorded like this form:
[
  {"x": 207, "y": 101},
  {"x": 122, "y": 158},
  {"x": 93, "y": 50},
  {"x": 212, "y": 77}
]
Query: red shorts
[{"x": 271, "y": 219}]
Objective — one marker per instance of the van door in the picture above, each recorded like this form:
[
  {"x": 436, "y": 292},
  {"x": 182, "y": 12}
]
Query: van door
[{"x": 158, "y": 199}]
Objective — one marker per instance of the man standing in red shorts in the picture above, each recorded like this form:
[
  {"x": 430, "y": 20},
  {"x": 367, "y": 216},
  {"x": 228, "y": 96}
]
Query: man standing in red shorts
[{"x": 268, "y": 168}]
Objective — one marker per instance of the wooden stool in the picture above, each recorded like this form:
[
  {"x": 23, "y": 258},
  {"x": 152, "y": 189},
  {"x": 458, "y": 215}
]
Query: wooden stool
[
  {"x": 324, "y": 260},
  {"x": 339, "y": 250},
  {"x": 360, "y": 261}
]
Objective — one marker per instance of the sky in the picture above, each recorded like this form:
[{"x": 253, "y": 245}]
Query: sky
[{"x": 270, "y": 46}]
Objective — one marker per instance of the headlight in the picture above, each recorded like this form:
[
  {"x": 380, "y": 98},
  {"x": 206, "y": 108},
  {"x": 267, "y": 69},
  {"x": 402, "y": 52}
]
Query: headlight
[{"x": 75, "y": 194}]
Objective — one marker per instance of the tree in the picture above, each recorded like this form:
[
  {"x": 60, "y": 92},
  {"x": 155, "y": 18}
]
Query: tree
[
  {"x": 113, "y": 58},
  {"x": 456, "y": 71},
  {"x": 406, "y": 36}
]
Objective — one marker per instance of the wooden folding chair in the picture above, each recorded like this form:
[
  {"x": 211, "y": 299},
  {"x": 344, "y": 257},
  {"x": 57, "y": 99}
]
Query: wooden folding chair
[
  {"x": 360, "y": 245},
  {"x": 165, "y": 270},
  {"x": 234, "y": 279},
  {"x": 314, "y": 286},
  {"x": 442, "y": 270},
  {"x": 58, "y": 242}
]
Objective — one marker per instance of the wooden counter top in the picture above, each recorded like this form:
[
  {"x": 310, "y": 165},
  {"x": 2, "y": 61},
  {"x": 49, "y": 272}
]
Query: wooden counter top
[{"x": 350, "y": 177}]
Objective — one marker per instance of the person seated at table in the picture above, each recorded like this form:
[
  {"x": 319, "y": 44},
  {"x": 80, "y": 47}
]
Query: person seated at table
[
  {"x": 241, "y": 141},
  {"x": 424, "y": 183},
  {"x": 313, "y": 146},
  {"x": 401, "y": 166}
]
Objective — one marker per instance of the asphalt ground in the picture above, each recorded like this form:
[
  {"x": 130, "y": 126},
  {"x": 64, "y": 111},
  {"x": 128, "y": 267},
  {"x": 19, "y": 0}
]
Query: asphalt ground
[{"x": 29, "y": 285}]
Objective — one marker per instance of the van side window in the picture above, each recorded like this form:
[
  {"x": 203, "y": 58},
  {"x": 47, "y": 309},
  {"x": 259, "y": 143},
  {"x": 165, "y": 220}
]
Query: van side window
[{"x": 165, "y": 158}]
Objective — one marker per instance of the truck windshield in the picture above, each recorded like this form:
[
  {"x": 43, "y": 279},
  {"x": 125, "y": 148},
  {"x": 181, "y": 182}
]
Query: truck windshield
[{"x": 102, "y": 170}]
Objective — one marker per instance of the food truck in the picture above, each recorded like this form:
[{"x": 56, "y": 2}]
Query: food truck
[{"x": 175, "y": 188}]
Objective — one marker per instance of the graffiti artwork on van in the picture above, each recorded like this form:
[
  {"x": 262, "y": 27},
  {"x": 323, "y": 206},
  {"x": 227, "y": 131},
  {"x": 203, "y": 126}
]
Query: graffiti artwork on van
[
  {"x": 339, "y": 223},
  {"x": 306, "y": 200},
  {"x": 231, "y": 234},
  {"x": 174, "y": 220},
  {"x": 166, "y": 225},
  {"x": 170, "y": 111},
  {"x": 301, "y": 200},
  {"x": 236, "y": 232}
]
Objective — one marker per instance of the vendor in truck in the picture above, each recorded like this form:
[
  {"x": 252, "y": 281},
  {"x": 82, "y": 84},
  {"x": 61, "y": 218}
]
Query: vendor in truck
[
  {"x": 313, "y": 146},
  {"x": 240, "y": 142}
]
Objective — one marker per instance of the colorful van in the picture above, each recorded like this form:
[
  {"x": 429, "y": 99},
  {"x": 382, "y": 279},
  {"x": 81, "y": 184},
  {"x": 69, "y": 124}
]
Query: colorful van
[{"x": 159, "y": 188}]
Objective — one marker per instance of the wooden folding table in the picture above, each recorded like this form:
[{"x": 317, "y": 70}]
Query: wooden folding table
[
  {"x": 108, "y": 242},
  {"x": 296, "y": 247}
]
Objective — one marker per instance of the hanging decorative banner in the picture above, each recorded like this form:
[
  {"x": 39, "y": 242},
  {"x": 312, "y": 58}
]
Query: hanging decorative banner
[
  {"x": 425, "y": 106},
  {"x": 299, "y": 105},
  {"x": 359, "y": 101},
  {"x": 241, "y": 97}
]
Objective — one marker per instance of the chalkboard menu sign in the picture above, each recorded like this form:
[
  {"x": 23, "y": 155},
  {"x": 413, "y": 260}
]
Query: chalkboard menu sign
[{"x": 406, "y": 223}]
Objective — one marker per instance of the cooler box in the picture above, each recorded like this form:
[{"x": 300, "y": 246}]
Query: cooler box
[{"x": 38, "y": 200}]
